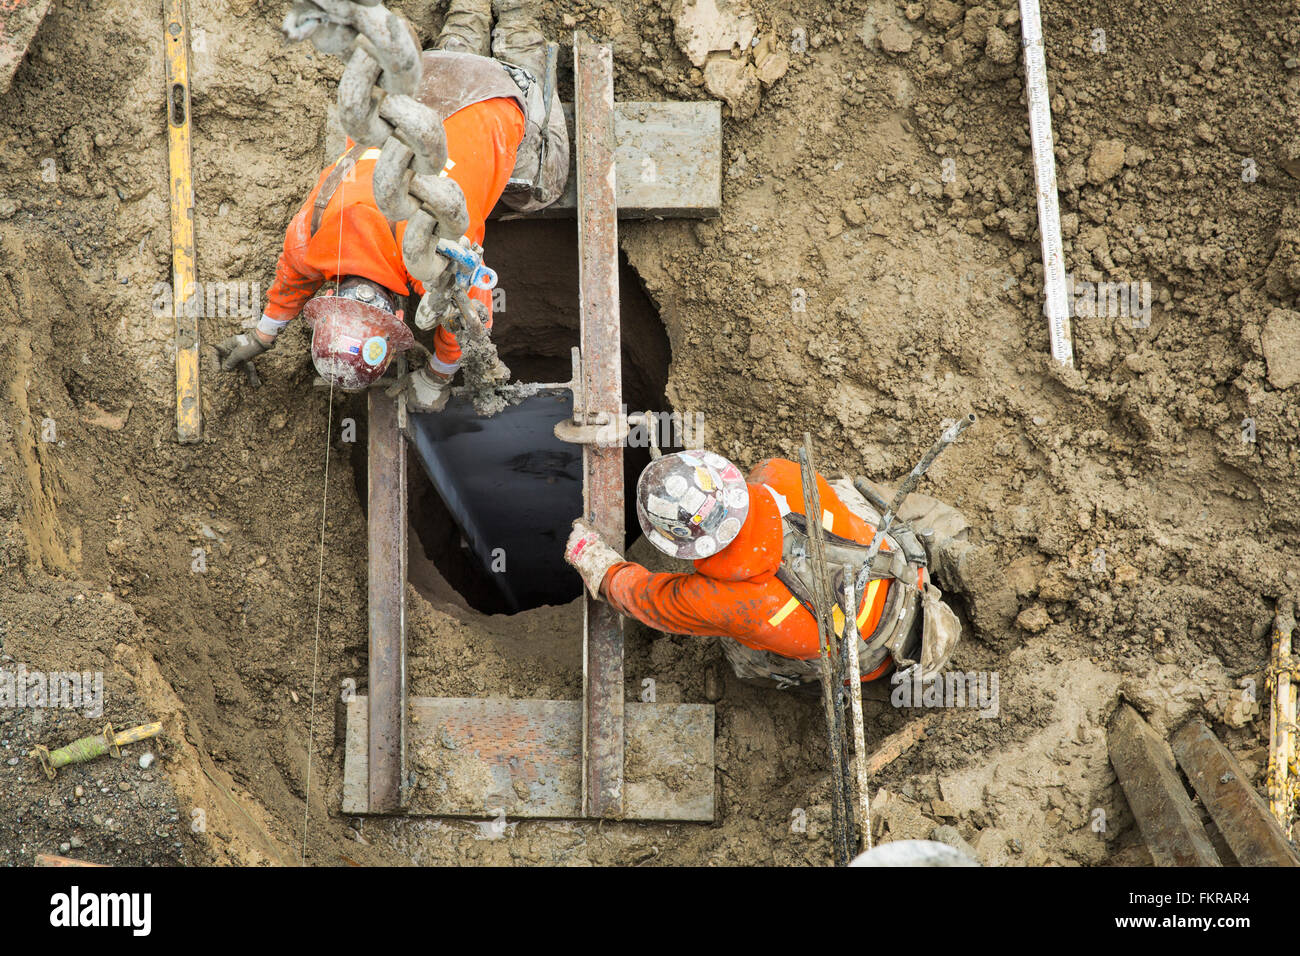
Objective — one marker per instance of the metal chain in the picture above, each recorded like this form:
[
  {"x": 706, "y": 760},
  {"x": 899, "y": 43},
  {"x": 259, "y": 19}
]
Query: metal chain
[{"x": 377, "y": 107}]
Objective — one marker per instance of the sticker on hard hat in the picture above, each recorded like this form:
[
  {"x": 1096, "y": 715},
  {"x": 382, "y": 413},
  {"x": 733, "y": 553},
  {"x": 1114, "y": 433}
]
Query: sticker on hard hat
[
  {"x": 348, "y": 344},
  {"x": 675, "y": 485},
  {"x": 374, "y": 350}
]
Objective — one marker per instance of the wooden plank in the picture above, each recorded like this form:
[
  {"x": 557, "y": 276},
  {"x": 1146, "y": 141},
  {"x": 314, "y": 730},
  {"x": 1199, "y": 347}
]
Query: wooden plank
[
  {"x": 1145, "y": 768},
  {"x": 19, "y": 20},
  {"x": 189, "y": 417},
  {"x": 602, "y": 675},
  {"x": 49, "y": 859},
  {"x": 481, "y": 758},
  {"x": 1240, "y": 813},
  {"x": 668, "y": 162},
  {"x": 386, "y": 778}
]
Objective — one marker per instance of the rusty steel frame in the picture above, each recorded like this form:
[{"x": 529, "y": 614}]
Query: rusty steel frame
[
  {"x": 602, "y": 674},
  {"x": 386, "y": 475}
]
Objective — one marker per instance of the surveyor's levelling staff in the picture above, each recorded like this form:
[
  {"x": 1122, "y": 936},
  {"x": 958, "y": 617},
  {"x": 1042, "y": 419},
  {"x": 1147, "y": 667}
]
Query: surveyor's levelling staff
[
  {"x": 751, "y": 584},
  {"x": 501, "y": 139}
]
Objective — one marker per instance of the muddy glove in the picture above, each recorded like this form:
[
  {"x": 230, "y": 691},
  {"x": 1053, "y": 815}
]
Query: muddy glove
[
  {"x": 426, "y": 390},
  {"x": 237, "y": 350},
  {"x": 590, "y": 556}
]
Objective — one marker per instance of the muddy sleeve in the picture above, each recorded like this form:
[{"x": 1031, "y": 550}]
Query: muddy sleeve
[
  {"x": 447, "y": 351},
  {"x": 295, "y": 280},
  {"x": 677, "y": 603}
]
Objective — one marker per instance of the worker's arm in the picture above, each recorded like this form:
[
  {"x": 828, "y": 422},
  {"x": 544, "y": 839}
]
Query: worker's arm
[
  {"x": 295, "y": 283},
  {"x": 296, "y": 280},
  {"x": 692, "y": 603}
]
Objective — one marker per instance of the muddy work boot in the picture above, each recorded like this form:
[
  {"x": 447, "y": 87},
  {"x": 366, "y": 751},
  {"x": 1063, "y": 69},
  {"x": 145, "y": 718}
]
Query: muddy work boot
[
  {"x": 542, "y": 161},
  {"x": 466, "y": 28}
]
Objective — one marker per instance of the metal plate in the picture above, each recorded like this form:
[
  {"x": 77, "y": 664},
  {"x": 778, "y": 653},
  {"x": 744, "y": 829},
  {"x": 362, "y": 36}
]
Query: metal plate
[
  {"x": 513, "y": 486},
  {"x": 668, "y": 162},
  {"x": 480, "y": 758},
  {"x": 1239, "y": 812}
]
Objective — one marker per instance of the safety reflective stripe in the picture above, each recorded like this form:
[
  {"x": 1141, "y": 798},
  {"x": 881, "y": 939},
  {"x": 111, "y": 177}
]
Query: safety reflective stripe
[
  {"x": 872, "y": 588},
  {"x": 828, "y": 519},
  {"x": 837, "y": 614},
  {"x": 372, "y": 153},
  {"x": 776, "y": 619}
]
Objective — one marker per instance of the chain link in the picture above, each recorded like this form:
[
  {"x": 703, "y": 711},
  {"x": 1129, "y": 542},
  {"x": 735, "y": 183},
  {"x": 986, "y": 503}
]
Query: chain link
[{"x": 377, "y": 107}]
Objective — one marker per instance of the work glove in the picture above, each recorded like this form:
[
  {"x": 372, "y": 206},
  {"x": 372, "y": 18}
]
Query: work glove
[
  {"x": 425, "y": 391},
  {"x": 589, "y": 555},
  {"x": 239, "y": 349}
]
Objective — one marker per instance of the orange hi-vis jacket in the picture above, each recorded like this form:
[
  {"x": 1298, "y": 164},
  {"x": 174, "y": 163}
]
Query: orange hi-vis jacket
[
  {"x": 735, "y": 593},
  {"x": 354, "y": 238}
]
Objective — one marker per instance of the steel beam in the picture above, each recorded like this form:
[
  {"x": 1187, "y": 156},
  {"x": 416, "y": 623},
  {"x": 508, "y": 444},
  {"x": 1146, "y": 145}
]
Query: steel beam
[
  {"x": 603, "y": 698},
  {"x": 387, "y": 598},
  {"x": 1239, "y": 812}
]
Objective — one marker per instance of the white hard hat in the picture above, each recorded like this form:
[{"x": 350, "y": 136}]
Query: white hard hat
[{"x": 691, "y": 504}]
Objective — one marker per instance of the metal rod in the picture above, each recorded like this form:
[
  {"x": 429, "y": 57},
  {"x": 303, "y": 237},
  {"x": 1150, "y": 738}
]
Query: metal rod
[
  {"x": 602, "y": 677},
  {"x": 850, "y": 605},
  {"x": 386, "y": 520},
  {"x": 822, "y": 599},
  {"x": 909, "y": 483}
]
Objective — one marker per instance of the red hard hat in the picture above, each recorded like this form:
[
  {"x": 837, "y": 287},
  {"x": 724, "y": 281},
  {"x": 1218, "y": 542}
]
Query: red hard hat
[{"x": 352, "y": 342}]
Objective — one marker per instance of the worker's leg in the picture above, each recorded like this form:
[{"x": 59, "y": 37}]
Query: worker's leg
[
  {"x": 466, "y": 28},
  {"x": 516, "y": 38},
  {"x": 543, "y": 157},
  {"x": 767, "y": 669}
]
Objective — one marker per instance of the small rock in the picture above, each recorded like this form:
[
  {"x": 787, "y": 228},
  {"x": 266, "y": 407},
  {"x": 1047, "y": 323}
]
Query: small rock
[
  {"x": 707, "y": 26},
  {"x": 735, "y": 82},
  {"x": 1105, "y": 161},
  {"x": 943, "y": 13},
  {"x": 123, "y": 786},
  {"x": 771, "y": 60},
  {"x": 1000, "y": 48},
  {"x": 894, "y": 39},
  {"x": 1033, "y": 619},
  {"x": 713, "y": 685},
  {"x": 146, "y": 761},
  {"x": 65, "y": 847},
  {"x": 1280, "y": 340}
]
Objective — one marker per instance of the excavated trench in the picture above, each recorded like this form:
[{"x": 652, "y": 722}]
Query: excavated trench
[{"x": 494, "y": 523}]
